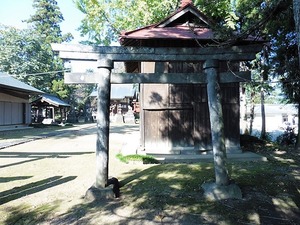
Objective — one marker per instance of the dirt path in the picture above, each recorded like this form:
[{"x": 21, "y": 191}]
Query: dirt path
[
  {"x": 57, "y": 170},
  {"x": 44, "y": 182}
]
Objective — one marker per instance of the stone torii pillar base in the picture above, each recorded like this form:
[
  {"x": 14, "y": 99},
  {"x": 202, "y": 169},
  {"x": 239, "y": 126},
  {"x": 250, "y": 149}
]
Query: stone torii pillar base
[
  {"x": 215, "y": 192},
  {"x": 110, "y": 192}
]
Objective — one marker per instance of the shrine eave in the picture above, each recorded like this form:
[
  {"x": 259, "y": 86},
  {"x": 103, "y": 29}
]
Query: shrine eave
[{"x": 179, "y": 32}]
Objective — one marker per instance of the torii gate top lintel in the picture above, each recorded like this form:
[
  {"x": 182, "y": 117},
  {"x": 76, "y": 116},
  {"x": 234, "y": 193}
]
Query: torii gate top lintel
[{"x": 125, "y": 54}]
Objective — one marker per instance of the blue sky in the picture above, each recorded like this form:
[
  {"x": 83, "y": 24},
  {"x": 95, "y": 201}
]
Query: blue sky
[{"x": 12, "y": 12}]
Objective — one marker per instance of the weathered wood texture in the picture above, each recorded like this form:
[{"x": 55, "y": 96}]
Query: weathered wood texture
[{"x": 176, "y": 116}]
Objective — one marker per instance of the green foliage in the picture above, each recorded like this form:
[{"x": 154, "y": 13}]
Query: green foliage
[
  {"x": 146, "y": 159},
  {"x": 217, "y": 10},
  {"x": 46, "y": 21},
  {"x": 27, "y": 53},
  {"x": 61, "y": 89},
  {"x": 23, "y": 52},
  {"x": 105, "y": 20}
]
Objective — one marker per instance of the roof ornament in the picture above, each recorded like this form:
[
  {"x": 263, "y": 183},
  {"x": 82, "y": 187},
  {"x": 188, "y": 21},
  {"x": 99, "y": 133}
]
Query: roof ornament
[{"x": 185, "y": 3}]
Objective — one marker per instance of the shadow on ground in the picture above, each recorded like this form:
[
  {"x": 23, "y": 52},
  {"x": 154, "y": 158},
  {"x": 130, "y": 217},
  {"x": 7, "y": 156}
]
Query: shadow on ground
[
  {"x": 31, "y": 188},
  {"x": 171, "y": 194},
  {"x": 34, "y": 156}
]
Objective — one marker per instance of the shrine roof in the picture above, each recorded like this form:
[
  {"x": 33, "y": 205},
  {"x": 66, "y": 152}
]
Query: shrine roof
[
  {"x": 186, "y": 23},
  {"x": 50, "y": 100},
  {"x": 178, "y": 32}
]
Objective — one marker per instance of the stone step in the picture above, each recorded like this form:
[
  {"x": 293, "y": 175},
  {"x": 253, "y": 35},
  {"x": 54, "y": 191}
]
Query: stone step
[{"x": 187, "y": 158}]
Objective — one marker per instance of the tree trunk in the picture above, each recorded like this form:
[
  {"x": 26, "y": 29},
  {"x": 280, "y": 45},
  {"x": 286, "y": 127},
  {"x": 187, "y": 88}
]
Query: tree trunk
[
  {"x": 296, "y": 9},
  {"x": 252, "y": 106},
  {"x": 297, "y": 146},
  {"x": 263, "y": 115},
  {"x": 216, "y": 122},
  {"x": 243, "y": 109}
]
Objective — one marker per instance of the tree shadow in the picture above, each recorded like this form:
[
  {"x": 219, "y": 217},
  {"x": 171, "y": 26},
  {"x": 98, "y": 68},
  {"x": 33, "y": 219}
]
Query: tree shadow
[
  {"x": 150, "y": 194},
  {"x": 36, "y": 156},
  {"x": 9, "y": 179},
  {"x": 171, "y": 194},
  {"x": 23, "y": 136},
  {"x": 31, "y": 188},
  {"x": 23, "y": 214}
]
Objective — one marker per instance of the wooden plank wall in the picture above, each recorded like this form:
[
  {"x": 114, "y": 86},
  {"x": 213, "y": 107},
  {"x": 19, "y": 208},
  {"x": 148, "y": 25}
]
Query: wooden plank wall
[{"x": 176, "y": 117}]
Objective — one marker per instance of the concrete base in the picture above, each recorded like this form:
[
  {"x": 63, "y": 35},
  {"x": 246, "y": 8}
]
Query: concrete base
[
  {"x": 97, "y": 194},
  {"x": 187, "y": 158},
  {"x": 214, "y": 192}
]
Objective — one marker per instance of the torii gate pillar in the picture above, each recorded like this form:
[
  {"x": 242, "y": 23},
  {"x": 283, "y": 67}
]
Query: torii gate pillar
[
  {"x": 100, "y": 189},
  {"x": 103, "y": 102},
  {"x": 216, "y": 121},
  {"x": 222, "y": 188}
]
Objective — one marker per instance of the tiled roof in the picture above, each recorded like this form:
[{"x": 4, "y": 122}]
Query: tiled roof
[
  {"x": 9, "y": 82},
  {"x": 51, "y": 100}
]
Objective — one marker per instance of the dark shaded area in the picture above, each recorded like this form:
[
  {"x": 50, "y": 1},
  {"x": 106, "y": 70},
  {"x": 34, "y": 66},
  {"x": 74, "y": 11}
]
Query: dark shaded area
[
  {"x": 176, "y": 196},
  {"x": 22, "y": 214},
  {"x": 34, "y": 187},
  {"x": 116, "y": 186},
  {"x": 34, "y": 156},
  {"x": 9, "y": 179}
]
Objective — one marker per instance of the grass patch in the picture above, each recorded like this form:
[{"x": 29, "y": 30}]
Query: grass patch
[
  {"x": 146, "y": 159},
  {"x": 178, "y": 187},
  {"x": 25, "y": 214}
]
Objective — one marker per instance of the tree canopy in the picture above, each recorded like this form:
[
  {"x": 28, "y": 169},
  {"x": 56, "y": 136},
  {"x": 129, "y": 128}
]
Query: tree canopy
[
  {"x": 27, "y": 53},
  {"x": 45, "y": 21},
  {"x": 105, "y": 20},
  {"x": 22, "y": 52}
]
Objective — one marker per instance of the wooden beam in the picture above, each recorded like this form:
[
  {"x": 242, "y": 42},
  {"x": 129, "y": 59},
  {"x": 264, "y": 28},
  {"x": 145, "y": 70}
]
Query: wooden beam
[
  {"x": 163, "y": 78},
  {"x": 125, "y": 54}
]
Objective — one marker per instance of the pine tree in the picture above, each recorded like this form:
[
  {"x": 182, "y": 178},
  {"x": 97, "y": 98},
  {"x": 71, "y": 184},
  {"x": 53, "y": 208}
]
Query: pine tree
[{"x": 46, "y": 21}]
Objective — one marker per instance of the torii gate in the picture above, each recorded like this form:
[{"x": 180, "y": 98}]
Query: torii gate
[{"x": 106, "y": 56}]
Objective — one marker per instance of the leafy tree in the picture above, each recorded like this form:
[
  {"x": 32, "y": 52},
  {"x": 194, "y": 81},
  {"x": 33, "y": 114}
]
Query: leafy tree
[
  {"x": 22, "y": 52},
  {"x": 105, "y": 20},
  {"x": 46, "y": 22}
]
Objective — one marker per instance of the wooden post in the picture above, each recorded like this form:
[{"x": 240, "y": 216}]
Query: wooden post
[
  {"x": 216, "y": 122},
  {"x": 103, "y": 103}
]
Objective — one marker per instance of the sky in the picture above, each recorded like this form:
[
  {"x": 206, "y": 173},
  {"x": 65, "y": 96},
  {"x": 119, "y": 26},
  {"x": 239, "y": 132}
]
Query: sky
[{"x": 12, "y": 12}]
